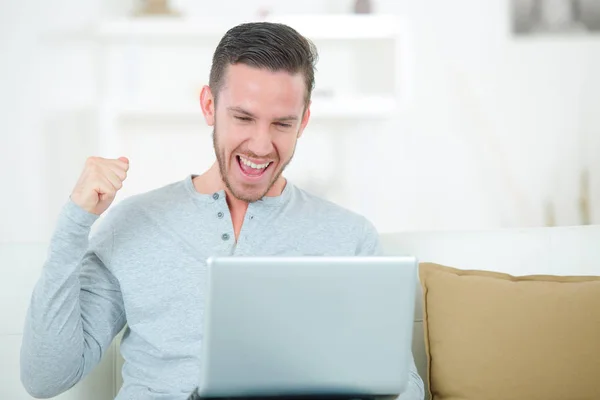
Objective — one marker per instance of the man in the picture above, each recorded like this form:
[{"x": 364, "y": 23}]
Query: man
[{"x": 144, "y": 264}]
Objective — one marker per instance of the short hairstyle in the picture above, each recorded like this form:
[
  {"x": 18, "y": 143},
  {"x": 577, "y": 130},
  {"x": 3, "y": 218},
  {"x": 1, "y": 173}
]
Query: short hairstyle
[{"x": 269, "y": 45}]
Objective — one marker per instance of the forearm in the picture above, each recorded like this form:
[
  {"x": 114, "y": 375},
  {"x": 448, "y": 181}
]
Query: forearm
[{"x": 55, "y": 353}]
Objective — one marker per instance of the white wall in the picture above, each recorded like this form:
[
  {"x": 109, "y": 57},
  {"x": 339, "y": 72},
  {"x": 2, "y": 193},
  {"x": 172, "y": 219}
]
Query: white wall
[
  {"x": 20, "y": 151},
  {"x": 495, "y": 129},
  {"x": 497, "y": 125}
]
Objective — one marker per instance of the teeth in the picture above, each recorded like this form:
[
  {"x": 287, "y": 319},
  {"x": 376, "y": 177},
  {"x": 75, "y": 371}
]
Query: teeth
[{"x": 252, "y": 165}]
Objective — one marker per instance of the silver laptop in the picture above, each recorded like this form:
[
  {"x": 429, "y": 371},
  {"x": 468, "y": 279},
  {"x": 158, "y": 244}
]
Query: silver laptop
[{"x": 307, "y": 326}]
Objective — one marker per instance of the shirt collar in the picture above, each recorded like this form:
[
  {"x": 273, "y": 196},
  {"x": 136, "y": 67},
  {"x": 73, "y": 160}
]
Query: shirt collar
[{"x": 268, "y": 201}]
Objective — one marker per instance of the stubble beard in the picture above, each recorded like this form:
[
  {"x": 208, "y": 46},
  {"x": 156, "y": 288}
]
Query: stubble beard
[{"x": 220, "y": 154}]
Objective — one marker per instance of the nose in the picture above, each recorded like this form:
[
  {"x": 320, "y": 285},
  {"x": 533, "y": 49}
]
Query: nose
[{"x": 261, "y": 142}]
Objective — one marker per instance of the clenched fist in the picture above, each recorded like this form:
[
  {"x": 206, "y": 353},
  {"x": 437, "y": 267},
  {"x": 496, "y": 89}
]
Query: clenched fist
[{"x": 99, "y": 183}]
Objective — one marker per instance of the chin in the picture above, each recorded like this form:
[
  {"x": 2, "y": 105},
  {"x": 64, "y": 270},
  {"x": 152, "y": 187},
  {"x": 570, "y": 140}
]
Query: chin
[
  {"x": 247, "y": 188},
  {"x": 249, "y": 195}
]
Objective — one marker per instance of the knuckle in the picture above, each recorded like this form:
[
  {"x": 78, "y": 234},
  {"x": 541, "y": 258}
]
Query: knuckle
[
  {"x": 96, "y": 174},
  {"x": 93, "y": 160},
  {"x": 94, "y": 166}
]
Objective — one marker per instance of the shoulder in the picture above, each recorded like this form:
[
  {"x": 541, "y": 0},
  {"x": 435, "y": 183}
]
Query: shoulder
[
  {"x": 318, "y": 207},
  {"x": 136, "y": 209},
  {"x": 350, "y": 224}
]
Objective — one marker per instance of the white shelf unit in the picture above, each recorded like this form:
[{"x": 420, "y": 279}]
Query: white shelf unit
[
  {"x": 122, "y": 43},
  {"x": 316, "y": 27}
]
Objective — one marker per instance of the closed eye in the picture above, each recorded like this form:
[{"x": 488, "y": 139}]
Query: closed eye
[
  {"x": 246, "y": 119},
  {"x": 283, "y": 125}
]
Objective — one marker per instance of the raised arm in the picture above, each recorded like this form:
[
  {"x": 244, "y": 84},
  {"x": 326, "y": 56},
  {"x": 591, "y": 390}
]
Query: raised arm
[{"x": 76, "y": 308}]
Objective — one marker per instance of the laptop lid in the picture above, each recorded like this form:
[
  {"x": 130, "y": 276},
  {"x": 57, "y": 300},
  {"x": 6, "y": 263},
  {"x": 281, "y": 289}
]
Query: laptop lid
[{"x": 299, "y": 326}]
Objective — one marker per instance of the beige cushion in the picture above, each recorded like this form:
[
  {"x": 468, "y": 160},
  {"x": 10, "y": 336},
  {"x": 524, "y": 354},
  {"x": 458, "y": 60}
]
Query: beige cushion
[{"x": 495, "y": 336}]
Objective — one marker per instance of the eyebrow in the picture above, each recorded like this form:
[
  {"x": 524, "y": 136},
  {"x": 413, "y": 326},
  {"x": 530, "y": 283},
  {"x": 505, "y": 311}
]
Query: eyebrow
[{"x": 249, "y": 114}]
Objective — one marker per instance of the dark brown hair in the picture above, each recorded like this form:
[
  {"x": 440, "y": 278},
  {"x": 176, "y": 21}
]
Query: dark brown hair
[{"x": 269, "y": 45}]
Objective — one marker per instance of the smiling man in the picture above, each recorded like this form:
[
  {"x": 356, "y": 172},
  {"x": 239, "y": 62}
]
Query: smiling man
[{"x": 143, "y": 267}]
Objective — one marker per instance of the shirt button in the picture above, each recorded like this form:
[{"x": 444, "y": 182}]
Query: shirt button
[
  {"x": 216, "y": 196},
  {"x": 220, "y": 214},
  {"x": 225, "y": 236}
]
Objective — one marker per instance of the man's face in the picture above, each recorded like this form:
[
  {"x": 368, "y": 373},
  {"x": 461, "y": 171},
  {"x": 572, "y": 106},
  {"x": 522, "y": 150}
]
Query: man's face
[{"x": 257, "y": 121}]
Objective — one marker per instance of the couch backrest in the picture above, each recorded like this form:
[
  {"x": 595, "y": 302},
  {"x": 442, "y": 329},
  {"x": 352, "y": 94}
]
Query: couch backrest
[{"x": 553, "y": 251}]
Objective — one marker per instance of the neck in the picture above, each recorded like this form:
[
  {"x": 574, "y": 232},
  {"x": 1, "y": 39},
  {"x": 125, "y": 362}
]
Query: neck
[{"x": 210, "y": 182}]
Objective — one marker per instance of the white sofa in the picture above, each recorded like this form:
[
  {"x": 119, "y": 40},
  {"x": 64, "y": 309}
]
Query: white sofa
[{"x": 556, "y": 251}]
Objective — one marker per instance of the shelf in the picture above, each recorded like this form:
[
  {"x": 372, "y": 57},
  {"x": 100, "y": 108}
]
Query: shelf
[
  {"x": 315, "y": 27},
  {"x": 347, "y": 108}
]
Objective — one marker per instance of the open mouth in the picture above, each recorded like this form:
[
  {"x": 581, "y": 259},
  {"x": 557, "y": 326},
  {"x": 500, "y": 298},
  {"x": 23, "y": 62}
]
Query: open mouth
[{"x": 251, "y": 169}]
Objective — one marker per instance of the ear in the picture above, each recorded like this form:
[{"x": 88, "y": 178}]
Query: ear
[
  {"x": 305, "y": 119},
  {"x": 207, "y": 103}
]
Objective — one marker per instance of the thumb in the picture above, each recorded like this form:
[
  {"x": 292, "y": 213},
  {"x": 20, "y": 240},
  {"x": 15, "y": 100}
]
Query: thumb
[{"x": 124, "y": 159}]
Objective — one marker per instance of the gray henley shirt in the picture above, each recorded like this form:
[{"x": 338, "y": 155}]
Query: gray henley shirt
[{"x": 142, "y": 267}]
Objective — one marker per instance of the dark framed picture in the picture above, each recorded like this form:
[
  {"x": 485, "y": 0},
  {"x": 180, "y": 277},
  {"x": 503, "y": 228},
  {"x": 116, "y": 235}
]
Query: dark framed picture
[{"x": 559, "y": 17}]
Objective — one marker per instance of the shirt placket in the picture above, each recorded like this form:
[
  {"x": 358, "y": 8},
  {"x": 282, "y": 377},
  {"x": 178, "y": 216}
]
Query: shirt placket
[
  {"x": 225, "y": 226},
  {"x": 241, "y": 248}
]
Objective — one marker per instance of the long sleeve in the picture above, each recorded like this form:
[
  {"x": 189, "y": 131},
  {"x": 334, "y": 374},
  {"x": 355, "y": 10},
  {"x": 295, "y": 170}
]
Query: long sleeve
[
  {"x": 370, "y": 245},
  {"x": 415, "y": 389},
  {"x": 76, "y": 308}
]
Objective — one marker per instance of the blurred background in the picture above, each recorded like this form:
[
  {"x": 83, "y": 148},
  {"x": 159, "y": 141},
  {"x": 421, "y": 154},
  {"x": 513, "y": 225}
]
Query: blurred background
[{"x": 427, "y": 115}]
